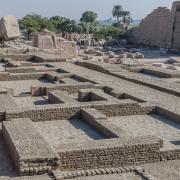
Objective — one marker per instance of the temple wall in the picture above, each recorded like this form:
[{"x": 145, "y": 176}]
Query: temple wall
[{"x": 154, "y": 30}]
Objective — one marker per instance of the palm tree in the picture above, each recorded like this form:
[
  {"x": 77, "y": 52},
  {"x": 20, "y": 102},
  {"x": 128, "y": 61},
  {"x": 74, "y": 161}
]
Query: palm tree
[
  {"x": 126, "y": 19},
  {"x": 117, "y": 12}
]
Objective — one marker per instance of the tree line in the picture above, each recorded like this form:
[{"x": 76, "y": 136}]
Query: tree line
[{"x": 87, "y": 24}]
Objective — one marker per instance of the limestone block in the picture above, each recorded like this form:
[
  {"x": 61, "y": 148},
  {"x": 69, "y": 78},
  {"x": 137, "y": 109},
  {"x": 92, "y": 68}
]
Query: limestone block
[
  {"x": 9, "y": 28},
  {"x": 43, "y": 42}
]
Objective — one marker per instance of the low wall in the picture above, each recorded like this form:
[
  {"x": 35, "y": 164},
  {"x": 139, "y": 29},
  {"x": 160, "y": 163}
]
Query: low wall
[
  {"x": 109, "y": 153},
  {"x": 168, "y": 114},
  {"x": 131, "y": 77},
  {"x": 29, "y": 150},
  {"x": 17, "y": 57},
  {"x": 159, "y": 72},
  {"x": 24, "y": 76},
  {"x": 70, "y": 88},
  {"x": 154, "y": 30},
  {"x": 57, "y": 96},
  {"x": 94, "y": 118},
  {"x": 67, "y": 111}
]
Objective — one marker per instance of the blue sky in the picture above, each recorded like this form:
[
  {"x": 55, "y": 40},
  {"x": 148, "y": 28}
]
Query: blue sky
[{"x": 74, "y": 8}]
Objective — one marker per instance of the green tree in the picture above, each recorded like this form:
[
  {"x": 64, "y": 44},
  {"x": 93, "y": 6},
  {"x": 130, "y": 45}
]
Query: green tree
[
  {"x": 117, "y": 12},
  {"x": 68, "y": 26},
  {"x": 88, "y": 22},
  {"x": 34, "y": 22},
  {"x": 30, "y": 25},
  {"x": 110, "y": 31},
  {"x": 89, "y": 17},
  {"x": 122, "y": 16},
  {"x": 56, "y": 21},
  {"x": 126, "y": 19}
]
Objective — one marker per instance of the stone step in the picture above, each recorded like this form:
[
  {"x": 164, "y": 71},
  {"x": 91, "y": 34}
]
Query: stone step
[{"x": 59, "y": 175}]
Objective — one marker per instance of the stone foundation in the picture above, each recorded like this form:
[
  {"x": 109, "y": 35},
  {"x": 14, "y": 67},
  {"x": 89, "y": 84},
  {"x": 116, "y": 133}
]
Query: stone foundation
[
  {"x": 30, "y": 152},
  {"x": 110, "y": 153}
]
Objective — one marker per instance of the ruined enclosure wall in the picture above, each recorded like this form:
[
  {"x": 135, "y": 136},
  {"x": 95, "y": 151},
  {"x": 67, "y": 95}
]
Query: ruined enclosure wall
[
  {"x": 50, "y": 113},
  {"x": 29, "y": 150},
  {"x": 154, "y": 30},
  {"x": 109, "y": 153},
  {"x": 69, "y": 88},
  {"x": 5, "y": 76},
  {"x": 175, "y": 31}
]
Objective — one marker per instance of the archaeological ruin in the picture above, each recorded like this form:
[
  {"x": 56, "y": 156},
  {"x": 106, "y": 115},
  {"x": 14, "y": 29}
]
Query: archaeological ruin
[
  {"x": 160, "y": 28},
  {"x": 90, "y": 113}
]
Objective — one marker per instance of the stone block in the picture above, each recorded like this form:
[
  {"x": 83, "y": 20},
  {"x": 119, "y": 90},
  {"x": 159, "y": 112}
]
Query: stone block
[{"x": 9, "y": 28}]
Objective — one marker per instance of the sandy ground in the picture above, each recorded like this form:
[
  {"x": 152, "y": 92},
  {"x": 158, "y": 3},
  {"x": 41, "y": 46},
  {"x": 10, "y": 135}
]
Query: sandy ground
[
  {"x": 126, "y": 176},
  {"x": 67, "y": 131},
  {"x": 149, "y": 125}
]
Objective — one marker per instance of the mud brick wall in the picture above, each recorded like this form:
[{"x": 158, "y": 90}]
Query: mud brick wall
[
  {"x": 67, "y": 111},
  {"x": 17, "y": 57},
  {"x": 29, "y": 150},
  {"x": 94, "y": 95},
  {"x": 124, "y": 110},
  {"x": 57, "y": 96},
  {"x": 160, "y": 72},
  {"x": 46, "y": 114},
  {"x": 153, "y": 72},
  {"x": 92, "y": 66},
  {"x": 6, "y": 103},
  {"x": 168, "y": 114},
  {"x": 173, "y": 154},
  {"x": 24, "y": 76},
  {"x": 20, "y": 70},
  {"x": 127, "y": 96},
  {"x": 94, "y": 118},
  {"x": 70, "y": 88},
  {"x": 169, "y": 88},
  {"x": 154, "y": 30},
  {"x": 47, "y": 57},
  {"x": 82, "y": 79},
  {"x": 110, "y": 153}
]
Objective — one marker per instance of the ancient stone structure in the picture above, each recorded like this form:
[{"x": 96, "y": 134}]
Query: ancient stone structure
[
  {"x": 62, "y": 119},
  {"x": 9, "y": 28},
  {"x": 160, "y": 28},
  {"x": 44, "y": 39},
  {"x": 48, "y": 42}
]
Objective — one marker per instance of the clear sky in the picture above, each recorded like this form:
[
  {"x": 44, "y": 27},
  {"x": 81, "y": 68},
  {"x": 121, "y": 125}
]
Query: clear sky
[{"x": 74, "y": 8}]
